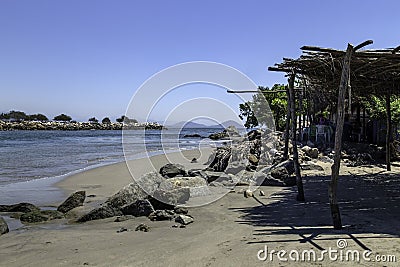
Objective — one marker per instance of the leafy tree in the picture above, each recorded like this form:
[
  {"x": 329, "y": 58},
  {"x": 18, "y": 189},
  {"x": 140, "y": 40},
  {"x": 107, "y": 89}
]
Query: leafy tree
[
  {"x": 121, "y": 119},
  {"x": 257, "y": 112},
  {"x": 126, "y": 119},
  {"x": 14, "y": 115},
  {"x": 376, "y": 107},
  {"x": 106, "y": 120},
  {"x": 62, "y": 117},
  {"x": 37, "y": 117},
  {"x": 93, "y": 120}
]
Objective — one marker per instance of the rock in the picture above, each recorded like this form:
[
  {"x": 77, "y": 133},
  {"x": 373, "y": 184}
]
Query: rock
[
  {"x": 184, "y": 219},
  {"x": 261, "y": 193},
  {"x": 41, "y": 216},
  {"x": 311, "y": 152},
  {"x": 141, "y": 207},
  {"x": 287, "y": 164},
  {"x": 221, "y": 159},
  {"x": 199, "y": 191},
  {"x": 192, "y": 136},
  {"x": 212, "y": 175},
  {"x": 174, "y": 196},
  {"x": 100, "y": 213},
  {"x": 194, "y": 160},
  {"x": 218, "y": 136},
  {"x": 20, "y": 207},
  {"x": 181, "y": 210},
  {"x": 171, "y": 170},
  {"x": 187, "y": 181},
  {"x": 162, "y": 215},
  {"x": 279, "y": 173},
  {"x": 73, "y": 201},
  {"x": 3, "y": 226},
  {"x": 248, "y": 193},
  {"x": 253, "y": 159},
  {"x": 232, "y": 131},
  {"x": 142, "y": 227},
  {"x": 235, "y": 168},
  {"x": 254, "y": 134},
  {"x": 122, "y": 229}
]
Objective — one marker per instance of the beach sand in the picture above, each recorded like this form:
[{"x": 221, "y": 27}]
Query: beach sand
[{"x": 229, "y": 232}]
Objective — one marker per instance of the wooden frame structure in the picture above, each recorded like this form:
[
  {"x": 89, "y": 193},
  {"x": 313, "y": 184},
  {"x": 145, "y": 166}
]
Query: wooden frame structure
[{"x": 334, "y": 75}]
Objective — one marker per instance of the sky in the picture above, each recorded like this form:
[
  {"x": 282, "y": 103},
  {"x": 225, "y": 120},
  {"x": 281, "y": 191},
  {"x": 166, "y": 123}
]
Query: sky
[{"x": 88, "y": 58}]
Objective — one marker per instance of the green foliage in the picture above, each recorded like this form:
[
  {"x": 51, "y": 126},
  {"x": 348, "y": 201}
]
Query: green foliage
[
  {"x": 125, "y": 119},
  {"x": 62, "y": 117},
  {"x": 256, "y": 112},
  {"x": 376, "y": 107},
  {"x": 37, "y": 117},
  {"x": 93, "y": 120},
  {"x": 106, "y": 120}
]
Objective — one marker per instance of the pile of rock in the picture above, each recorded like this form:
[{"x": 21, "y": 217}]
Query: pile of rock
[{"x": 73, "y": 126}]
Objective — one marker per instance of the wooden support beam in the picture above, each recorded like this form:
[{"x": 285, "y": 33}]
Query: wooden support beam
[
  {"x": 344, "y": 82},
  {"x": 299, "y": 181},
  {"x": 287, "y": 127},
  {"x": 388, "y": 131}
]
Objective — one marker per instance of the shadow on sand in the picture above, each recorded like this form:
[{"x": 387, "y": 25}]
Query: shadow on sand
[{"x": 368, "y": 204}]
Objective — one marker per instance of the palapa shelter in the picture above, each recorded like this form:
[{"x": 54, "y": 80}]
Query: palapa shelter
[{"x": 336, "y": 76}]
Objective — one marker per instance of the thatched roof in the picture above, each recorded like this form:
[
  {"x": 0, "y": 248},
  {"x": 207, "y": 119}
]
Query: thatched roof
[{"x": 372, "y": 72}]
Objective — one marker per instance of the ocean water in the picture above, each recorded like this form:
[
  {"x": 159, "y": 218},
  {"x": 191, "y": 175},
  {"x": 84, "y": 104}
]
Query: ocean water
[{"x": 29, "y": 155}]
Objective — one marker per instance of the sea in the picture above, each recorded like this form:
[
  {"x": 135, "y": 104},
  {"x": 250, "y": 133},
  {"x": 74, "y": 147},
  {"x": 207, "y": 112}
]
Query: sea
[{"x": 31, "y": 162}]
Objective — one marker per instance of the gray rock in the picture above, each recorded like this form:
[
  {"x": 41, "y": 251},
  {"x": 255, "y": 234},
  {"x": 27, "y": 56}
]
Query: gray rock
[
  {"x": 3, "y": 226},
  {"x": 187, "y": 181},
  {"x": 174, "y": 196},
  {"x": 41, "y": 216},
  {"x": 171, "y": 170},
  {"x": 311, "y": 152},
  {"x": 73, "y": 201},
  {"x": 162, "y": 215},
  {"x": 142, "y": 227},
  {"x": 184, "y": 219},
  {"x": 138, "y": 208},
  {"x": 100, "y": 213},
  {"x": 20, "y": 207},
  {"x": 235, "y": 168},
  {"x": 181, "y": 210},
  {"x": 221, "y": 159}
]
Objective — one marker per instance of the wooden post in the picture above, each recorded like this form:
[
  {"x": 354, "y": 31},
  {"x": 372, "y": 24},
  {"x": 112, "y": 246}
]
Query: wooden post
[
  {"x": 299, "y": 181},
  {"x": 287, "y": 125},
  {"x": 388, "y": 131},
  {"x": 344, "y": 83}
]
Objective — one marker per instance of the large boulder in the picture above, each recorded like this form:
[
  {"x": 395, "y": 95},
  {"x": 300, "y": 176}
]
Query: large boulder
[
  {"x": 20, "y": 207},
  {"x": 3, "y": 226},
  {"x": 41, "y": 216},
  {"x": 171, "y": 170},
  {"x": 73, "y": 201},
  {"x": 221, "y": 159},
  {"x": 138, "y": 208},
  {"x": 162, "y": 215},
  {"x": 232, "y": 131},
  {"x": 310, "y": 152},
  {"x": 173, "y": 197},
  {"x": 187, "y": 181},
  {"x": 139, "y": 190},
  {"x": 184, "y": 219}
]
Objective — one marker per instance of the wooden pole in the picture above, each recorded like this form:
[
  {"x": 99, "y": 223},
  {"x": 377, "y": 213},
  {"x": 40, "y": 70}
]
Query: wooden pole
[
  {"x": 299, "y": 181},
  {"x": 344, "y": 83},
  {"x": 388, "y": 131},
  {"x": 287, "y": 125}
]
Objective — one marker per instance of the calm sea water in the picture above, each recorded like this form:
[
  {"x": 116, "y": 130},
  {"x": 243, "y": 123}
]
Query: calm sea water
[{"x": 29, "y": 155}]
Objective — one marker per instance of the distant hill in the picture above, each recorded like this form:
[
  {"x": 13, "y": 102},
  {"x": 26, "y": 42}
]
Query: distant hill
[
  {"x": 191, "y": 124},
  {"x": 184, "y": 124}
]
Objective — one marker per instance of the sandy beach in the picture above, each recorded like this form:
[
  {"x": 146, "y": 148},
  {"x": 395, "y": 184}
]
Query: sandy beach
[{"x": 233, "y": 231}]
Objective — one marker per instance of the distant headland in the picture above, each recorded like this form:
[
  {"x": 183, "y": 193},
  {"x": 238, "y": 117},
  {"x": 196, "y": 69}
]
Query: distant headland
[{"x": 19, "y": 120}]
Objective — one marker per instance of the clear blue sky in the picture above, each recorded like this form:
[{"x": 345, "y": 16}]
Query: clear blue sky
[{"x": 87, "y": 58}]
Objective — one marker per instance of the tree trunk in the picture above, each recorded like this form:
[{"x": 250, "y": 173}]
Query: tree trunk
[
  {"x": 388, "y": 131},
  {"x": 299, "y": 181},
  {"x": 344, "y": 84},
  {"x": 287, "y": 125}
]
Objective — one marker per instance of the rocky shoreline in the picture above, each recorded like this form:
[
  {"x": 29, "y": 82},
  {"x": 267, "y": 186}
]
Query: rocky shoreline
[{"x": 75, "y": 126}]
